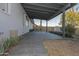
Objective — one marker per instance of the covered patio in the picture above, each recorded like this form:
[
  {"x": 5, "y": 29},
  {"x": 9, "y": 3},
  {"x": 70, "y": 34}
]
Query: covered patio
[
  {"x": 40, "y": 43},
  {"x": 36, "y": 43}
]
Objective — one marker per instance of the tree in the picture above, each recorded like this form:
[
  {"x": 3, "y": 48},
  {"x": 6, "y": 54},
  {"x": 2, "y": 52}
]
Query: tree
[
  {"x": 72, "y": 17},
  {"x": 71, "y": 20}
]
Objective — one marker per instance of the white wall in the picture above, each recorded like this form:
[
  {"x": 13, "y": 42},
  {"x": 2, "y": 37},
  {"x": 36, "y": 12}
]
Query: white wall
[{"x": 13, "y": 20}]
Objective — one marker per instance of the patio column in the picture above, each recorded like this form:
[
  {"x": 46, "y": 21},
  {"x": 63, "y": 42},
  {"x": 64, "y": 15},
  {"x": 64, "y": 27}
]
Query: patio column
[
  {"x": 63, "y": 24},
  {"x": 46, "y": 25},
  {"x": 40, "y": 25}
]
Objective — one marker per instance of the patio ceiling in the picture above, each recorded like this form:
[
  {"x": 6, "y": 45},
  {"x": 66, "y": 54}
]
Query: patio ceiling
[{"x": 45, "y": 11}]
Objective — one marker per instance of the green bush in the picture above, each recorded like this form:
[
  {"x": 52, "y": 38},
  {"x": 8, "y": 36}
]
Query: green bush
[
  {"x": 9, "y": 42},
  {"x": 2, "y": 49},
  {"x": 70, "y": 30}
]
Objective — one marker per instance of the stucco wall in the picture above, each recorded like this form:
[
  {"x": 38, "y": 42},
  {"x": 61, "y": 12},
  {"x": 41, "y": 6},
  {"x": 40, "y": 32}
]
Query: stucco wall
[{"x": 13, "y": 20}]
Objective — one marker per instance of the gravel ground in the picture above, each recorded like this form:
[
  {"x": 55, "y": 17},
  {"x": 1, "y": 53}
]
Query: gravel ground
[{"x": 62, "y": 47}]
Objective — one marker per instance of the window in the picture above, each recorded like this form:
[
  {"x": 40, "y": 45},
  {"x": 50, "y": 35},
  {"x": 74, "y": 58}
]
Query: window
[
  {"x": 4, "y": 7},
  {"x": 26, "y": 21}
]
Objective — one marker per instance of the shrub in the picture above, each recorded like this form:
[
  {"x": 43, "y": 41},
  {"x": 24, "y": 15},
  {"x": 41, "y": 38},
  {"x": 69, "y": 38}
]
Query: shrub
[
  {"x": 70, "y": 30},
  {"x": 1, "y": 50},
  {"x": 9, "y": 42}
]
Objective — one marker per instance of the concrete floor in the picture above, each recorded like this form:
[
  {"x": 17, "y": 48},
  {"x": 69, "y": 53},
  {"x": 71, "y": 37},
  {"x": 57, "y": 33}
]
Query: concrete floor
[{"x": 32, "y": 44}]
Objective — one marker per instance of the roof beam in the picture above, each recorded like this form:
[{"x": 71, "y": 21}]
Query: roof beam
[
  {"x": 62, "y": 4},
  {"x": 37, "y": 12},
  {"x": 40, "y": 16},
  {"x": 38, "y": 9},
  {"x": 34, "y": 14},
  {"x": 45, "y": 6}
]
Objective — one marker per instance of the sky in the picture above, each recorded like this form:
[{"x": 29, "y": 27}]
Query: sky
[{"x": 54, "y": 21}]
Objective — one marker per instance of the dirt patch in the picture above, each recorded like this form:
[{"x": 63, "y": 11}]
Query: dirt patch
[{"x": 62, "y": 47}]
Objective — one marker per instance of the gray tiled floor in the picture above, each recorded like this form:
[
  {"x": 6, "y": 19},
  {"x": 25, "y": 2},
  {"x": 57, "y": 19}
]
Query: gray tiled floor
[{"x": 32, "y": 44}]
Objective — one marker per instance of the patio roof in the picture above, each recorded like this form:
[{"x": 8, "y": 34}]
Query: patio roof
[{"x": 45, "y": 11}]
